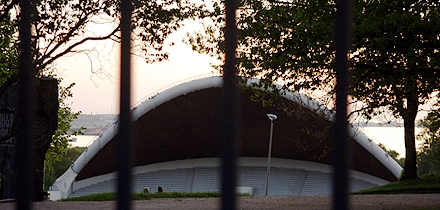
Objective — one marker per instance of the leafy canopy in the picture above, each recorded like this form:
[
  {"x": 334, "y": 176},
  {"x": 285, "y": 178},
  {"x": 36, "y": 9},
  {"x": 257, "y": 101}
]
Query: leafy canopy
[
  {"x": 290, "y": 42},
  {"x": 396, "y": 62},
  {"x": 61, "y": 28},
  {"x": 56, "y": 168},
  {"x": 394, "y": 54},
  {"x": 8, "y": 49}
]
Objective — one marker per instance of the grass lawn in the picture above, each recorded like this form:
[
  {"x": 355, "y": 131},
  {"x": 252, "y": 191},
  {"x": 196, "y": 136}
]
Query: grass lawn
[
  {"x": 144, "y": 196},
  {"x": 428, "y": 184}
]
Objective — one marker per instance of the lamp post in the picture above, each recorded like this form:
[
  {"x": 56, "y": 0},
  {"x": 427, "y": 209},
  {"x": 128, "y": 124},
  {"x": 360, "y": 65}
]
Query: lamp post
[{"x": 272, "y": 117}]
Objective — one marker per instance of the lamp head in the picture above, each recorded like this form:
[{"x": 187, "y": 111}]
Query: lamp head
[{"x": 272, "y": 117}]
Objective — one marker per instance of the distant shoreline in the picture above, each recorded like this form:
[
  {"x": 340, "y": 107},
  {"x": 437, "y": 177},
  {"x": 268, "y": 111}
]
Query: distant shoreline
[{"x": 374, "y": 124}]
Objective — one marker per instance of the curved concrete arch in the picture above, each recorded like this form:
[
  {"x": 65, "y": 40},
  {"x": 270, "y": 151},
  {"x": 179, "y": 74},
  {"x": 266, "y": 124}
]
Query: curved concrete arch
[{"x": 64, "y": 184}]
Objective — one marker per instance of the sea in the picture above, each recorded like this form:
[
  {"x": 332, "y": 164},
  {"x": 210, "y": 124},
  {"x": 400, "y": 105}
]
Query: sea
[
  {"x": 391, "y": 137},
  {"x": 82, "y": 140}
]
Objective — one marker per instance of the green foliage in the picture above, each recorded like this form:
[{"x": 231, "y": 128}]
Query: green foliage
[
  {"x": 8, "y": 50},
  {"x": 56, "y": 160},
  {"x": 108, "y": 196},
  {"x": 277, "y": 41},
  {"x": 60, "y": 138},
  {"x": 395, "y": 54},
  {"x": 429, "y": 151},
  {"x": 397, "y": 59},
  {"x": 428, "y": 184},
  {"x": 55, "y": 168},
  {"x": 396, "y": 62},
  {"x": 430, "y": 176},
  {"x": 394, "y": 154}
]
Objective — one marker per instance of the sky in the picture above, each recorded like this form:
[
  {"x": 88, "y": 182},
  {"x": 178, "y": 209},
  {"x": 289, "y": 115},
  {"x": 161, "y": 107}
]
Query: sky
[{"x": 98, "y": 93}]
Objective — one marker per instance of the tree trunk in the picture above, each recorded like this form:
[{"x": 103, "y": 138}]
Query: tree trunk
[
  {"x": 46, "y": 122},
  {"x": 39, "y": 174},
  {"x": 410, "y": 168}
]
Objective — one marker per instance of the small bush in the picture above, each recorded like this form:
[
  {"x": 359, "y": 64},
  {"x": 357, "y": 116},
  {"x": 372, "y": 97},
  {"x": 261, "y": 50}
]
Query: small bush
[{"x": 431, "y": 175}]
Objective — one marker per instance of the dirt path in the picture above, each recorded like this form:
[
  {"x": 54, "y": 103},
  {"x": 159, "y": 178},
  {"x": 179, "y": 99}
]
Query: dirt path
[{"x": 361, "y": 202}]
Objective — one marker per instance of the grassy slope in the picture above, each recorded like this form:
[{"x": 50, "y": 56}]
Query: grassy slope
[{"x": 418, "y": 186}]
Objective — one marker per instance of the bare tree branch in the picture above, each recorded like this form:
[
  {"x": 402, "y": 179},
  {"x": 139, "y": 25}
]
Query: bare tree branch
[
  {"x": 8, "y": 8},
  {"x": 71, "y": 47}
]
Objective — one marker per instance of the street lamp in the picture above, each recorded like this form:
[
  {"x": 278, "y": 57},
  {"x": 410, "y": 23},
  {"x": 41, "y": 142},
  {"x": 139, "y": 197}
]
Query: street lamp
[{"x": 272, "y": 117}]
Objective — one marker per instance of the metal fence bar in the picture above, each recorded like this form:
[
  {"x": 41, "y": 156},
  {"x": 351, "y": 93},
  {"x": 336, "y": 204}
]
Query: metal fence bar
[
  {"x": 123, "y": 153},
  {"x": 341, "y": 147},
  {"x": 23, "y": 145},
  {"x": 229, "y": 144}
]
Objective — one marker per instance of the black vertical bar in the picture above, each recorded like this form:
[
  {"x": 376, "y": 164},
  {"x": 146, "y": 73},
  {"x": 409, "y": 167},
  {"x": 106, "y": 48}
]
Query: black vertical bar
[
  {"x": 123, "y": 154},
  {"x": 23, "y": 146},
  {"x": 340, "y": 149},
  {"x": 230, "y": 111}
]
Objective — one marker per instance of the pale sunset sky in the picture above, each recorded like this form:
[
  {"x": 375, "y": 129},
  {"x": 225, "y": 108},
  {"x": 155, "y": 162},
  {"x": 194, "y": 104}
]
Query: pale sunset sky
[{"x": 96, "y": 93}]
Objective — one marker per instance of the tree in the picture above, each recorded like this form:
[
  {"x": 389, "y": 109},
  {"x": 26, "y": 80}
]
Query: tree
[
  {"x": 8, "y": 67},
  {"x": 56, "y": 168},
  {"x": 59, "y": 146},
  {"x": 393, "y": 154},
  {"x": 8, "y": 49},
  {"x": 8, "y": 73},
  {"x": 396, "y": 62},
  {"x": 395, "y": 53},
  {"x": 62, "y": 28},
  {"x": 60, "y": 142},
  {"x": 429, "y": 151},
  {"x": 289, "y": 42}
]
